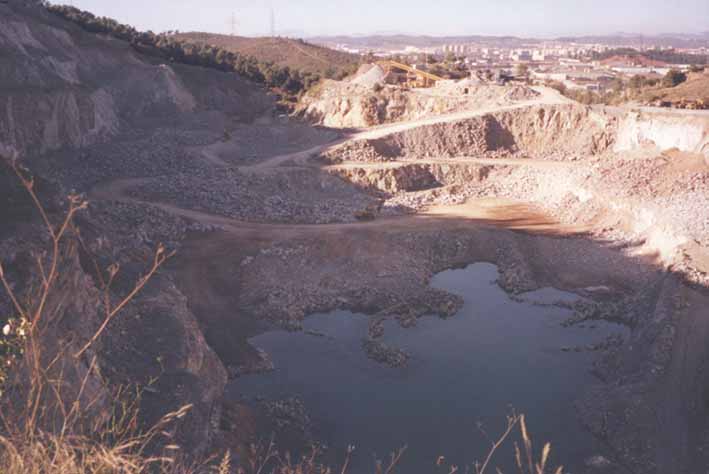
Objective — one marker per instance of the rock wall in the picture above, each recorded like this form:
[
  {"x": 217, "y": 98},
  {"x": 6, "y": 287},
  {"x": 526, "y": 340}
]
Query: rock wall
[
  {"x": 565, "y": 131},
  {"x": 347, "y": 105},
  {"x": 685, "y": 132},
  {"x": 155, "y": 338},
  {"x": 414, "y": 177},
  {"x": 64, "y": 87},
  {"x": 561, "y": 132}
]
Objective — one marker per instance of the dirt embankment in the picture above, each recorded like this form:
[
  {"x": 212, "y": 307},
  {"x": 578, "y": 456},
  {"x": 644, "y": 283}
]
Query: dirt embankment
[
  {"x": 64, "y": 87},
  {"x": 351, "y": 105},
  {"x": 693, "y": 91},
  {"x": 300, "y": 197},
  {"x": 80, "y": 108},
  {"x": 687, "y": 132},
  {"x": 409, "y": 177},
  {"x": 562, "y": 132}
]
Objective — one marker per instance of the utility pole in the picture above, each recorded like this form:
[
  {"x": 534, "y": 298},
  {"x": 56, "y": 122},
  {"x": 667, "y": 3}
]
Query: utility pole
[
  {"x": 233, "y": 24},
  {"x": 273, "y": 22}
]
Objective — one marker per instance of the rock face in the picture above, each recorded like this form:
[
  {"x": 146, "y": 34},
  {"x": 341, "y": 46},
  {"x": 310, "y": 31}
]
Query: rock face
[
  {"x": 63, "y": 88},
  {"x": 155, "y": 338},
  {"x": 353, "y": 105},
  {"x": 560, "y": 132},
  {"x": 666, "y": 131},
  {"x": 413, "y": 177}
]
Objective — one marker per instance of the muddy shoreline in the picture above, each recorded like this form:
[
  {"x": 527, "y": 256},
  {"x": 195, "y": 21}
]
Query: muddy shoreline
[{"x": 388, "y": 275}]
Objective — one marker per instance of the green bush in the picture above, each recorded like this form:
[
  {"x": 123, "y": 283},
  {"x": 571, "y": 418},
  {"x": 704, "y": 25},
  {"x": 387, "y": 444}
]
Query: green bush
[
  {"x": 172, "y": 49},
  {"x": 673, "y": 78}
]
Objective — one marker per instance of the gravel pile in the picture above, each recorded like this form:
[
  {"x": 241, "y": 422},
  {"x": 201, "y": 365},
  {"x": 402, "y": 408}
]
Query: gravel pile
[
  {"x": 300, "y": 196},
  {"x": 133, "y": 156},
  {"x": 127, "y": 226},
  {"x": 372, "y": 76},
  {"x": 639, "y": 200},
  {"x": 250, "y": 143}
]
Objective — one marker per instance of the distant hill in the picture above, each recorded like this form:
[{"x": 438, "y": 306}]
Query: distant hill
[
  {"x": 653, "y": 57},
  {"x": 420, "y": 41},
  {"x": 287, "y": 80},
  {"x": 669, "y": 40},
  {"x": 695, "y": 88},
  {"x": 675, "y": 40},
  {"x": 293, "y": 53}
]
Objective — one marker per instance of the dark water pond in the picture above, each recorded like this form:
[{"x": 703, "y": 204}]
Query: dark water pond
[{"x": 494, "y": 355}]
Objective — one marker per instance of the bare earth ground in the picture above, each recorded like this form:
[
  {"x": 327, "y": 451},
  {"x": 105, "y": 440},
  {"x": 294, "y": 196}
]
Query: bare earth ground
[
  {"x": 283, "y": 242},
  {"x": 610, "y": 203}
]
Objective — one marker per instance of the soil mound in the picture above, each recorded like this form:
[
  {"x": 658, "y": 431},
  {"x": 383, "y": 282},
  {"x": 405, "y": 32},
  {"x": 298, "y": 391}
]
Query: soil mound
[{"x": 371, "y": 76}]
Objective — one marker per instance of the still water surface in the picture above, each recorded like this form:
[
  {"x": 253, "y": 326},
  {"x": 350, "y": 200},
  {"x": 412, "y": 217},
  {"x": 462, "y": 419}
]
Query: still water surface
[{"x": 496, "y": 354}]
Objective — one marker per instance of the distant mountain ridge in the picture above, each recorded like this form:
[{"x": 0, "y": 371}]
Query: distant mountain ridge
[
  {"x": 420, "y": 41},
  {"x": 675, "y": 40}
]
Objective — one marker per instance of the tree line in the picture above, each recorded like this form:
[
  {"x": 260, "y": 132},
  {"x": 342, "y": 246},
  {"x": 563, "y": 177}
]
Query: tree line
[
  {"x": 665, "y": 55},
  {"x": 169, "y": 48},
  {"x": 620, "y": 91}
]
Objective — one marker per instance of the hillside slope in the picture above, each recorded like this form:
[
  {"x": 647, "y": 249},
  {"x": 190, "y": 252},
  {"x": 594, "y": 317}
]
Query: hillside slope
[
  {"x": 293, "y": 53},
  {"x": 695, "y": 88},
  {"x": 63, "y": 86},
  {"x": 79, "y": 107}
]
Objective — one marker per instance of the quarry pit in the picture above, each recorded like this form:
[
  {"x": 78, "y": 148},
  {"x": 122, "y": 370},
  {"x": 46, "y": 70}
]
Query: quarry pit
[
  {"x": 359, "y": 204},
  {"x": 607, "y": 204}
]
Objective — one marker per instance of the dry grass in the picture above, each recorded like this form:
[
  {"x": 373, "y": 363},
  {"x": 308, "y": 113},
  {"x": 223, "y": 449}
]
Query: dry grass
[
  {"x": 111, "y": 453},
  {"x": 41, "y": 429},
  {"x": 43, "y": 433},
  {"x": 265, "y": 459},
  {"x": 695, "y": 88}
]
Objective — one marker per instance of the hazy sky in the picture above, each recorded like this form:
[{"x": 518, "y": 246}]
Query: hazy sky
[{"x": 434, "y": 17}]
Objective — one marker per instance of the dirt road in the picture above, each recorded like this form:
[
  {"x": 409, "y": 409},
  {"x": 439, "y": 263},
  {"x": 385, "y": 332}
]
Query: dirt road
[
  {"x": 452, "y": 161},
  {"x": 546, "y": 97},
  {"x": 498, "y": 212}
]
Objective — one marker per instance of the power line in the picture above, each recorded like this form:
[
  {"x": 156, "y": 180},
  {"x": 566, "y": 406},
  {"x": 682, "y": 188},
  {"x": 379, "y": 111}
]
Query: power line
[{"x": 273, "y": 22}]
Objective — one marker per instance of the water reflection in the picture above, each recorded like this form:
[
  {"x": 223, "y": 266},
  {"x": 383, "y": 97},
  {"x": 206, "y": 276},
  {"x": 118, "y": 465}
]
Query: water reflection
[{"x": 495, "y": 354}]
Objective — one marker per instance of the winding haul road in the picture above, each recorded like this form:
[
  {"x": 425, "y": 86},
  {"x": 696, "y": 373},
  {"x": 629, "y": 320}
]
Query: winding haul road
[{"x": 490, "y": 211}]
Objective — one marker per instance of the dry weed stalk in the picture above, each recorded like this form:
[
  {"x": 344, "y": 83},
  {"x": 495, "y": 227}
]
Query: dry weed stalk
[
  {"x": 42, "y": 385},
  {"x": 394, "y": 459},
  {"x": 512, "y": 421},
  {"x": 118, "y": 447},
  {"x": 159, "y": 259},
  {"x": 530, "y": 467},
  {"x": 524, "y": 458}
]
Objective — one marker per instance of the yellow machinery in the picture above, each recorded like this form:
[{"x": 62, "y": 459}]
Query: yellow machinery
[{"x": 416, "y": 77}]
